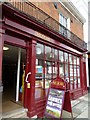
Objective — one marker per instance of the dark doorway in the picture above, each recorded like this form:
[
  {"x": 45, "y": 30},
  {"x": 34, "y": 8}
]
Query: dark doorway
[{"x": 9, "y": 77}]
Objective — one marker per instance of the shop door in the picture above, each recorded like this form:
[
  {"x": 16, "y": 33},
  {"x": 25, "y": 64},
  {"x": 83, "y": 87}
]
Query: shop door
[{"x": 13, "y": 74}]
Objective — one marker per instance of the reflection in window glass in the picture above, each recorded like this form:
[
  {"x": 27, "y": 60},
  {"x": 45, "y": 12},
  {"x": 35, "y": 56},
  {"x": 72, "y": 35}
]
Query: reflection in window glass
[
  {"x": 75, "y": 59},
  {"x": 56, "y": 54},
  {"x": 61, "y": 56},
  {"x": 39, "y": 83},
  {"x": 48, "y": 70},
  {"x": 48, "y": 52},
  {"x": 61, "y": 69},
  {"x": 39, "y": 51},
  {"x": 39, "y": 69},
  {"x": 78, "y": 61},
  {"x": 70, "y": 59},
  {"x": 75, "y": 77},
  {"x": 79, "y": 85},
  {"x": 66, "y": 72},
  {"x": 66, "y": 57},
  {"x": 71, "y": 77},
  {"x": 55, "y": 70}
]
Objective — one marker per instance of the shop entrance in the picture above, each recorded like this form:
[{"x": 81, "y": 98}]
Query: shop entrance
[{"x": 13, "y": 73}]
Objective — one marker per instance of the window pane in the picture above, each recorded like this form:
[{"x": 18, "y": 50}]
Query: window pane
[
  {"x": 78, "y": 72},
  {"x": 66, "y": 72},
  {"x": 71, "y": 77},
  {"x": 55, "y": 72},
  {"x": 75, "y": 77},
  {"x": 78, "y": 61},
  {"x": 75, "y": 58},
  {"x": 61, "y": 56},
  {"x": 61, "y": 69},
  {"x": 48, "y": 53},
  {"x": 39, "y": 51},
  {"x": 56, "y": 54},
  {"x": 48, "y": 73},
  {"x": 39, "y": 83},
  {"x": 70, "y": 59},
  {"x": 66, "y": 57}
]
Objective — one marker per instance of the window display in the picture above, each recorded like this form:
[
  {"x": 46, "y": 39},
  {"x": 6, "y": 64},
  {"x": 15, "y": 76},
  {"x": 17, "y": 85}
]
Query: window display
[
  {"x": 61, "y": 56},
  {"x": 50, "y": 63}
]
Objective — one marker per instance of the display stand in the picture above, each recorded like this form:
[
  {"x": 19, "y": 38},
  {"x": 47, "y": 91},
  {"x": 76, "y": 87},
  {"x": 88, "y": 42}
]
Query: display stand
[{"x": 58, "y": 99}]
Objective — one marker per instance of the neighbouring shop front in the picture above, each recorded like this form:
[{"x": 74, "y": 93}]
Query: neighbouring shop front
[{"x": 34, "y": 57}]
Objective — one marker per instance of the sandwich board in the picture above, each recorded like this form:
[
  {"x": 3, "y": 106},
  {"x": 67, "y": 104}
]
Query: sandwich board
[{"x": 58, "y": 99}]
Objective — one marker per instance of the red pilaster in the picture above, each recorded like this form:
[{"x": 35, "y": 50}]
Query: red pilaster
[{"x": 31, "y": 79}]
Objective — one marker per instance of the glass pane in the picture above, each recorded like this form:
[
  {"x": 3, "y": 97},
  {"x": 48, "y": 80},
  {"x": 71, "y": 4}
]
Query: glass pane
[
  {"x": 61, "y": 56},
  {"x": 75, "y": 77},
  {"x": 75, "y": 58},
  {"x": 39, "y": 51},
  {"x": 48, "y": 73},
  {"x": 48, "y": 53},
  {"x": 55, "y": 72},
  {"x": 56, "y": 54},
  {"x": 66, "y": 57},
  {"x": 71, "y": 77},
  {"x": 78, "y": 61},
  {"x": 79, "y": 84},
  {"x": 78, "y": 72},
  {"x": 66, "y": 72},
  {"x": 70, "y": 59},
  {"x": 61, "y": 69},
  {"x": 39, "y": 83}
]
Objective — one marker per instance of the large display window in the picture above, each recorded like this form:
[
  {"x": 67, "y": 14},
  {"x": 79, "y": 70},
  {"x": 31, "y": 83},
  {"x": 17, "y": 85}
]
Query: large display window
[{"x": 50, "y": 63}]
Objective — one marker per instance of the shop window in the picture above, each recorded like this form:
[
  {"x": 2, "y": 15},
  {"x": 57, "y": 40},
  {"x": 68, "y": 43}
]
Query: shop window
[
  {"x": 39, "y": 51},
  {"x": 55, "y": 70},
  {"x": 78, "y": 76},
  {"x": 71, "y": 77},
  {"x": 56, "y": 54},
  {"x": 39, "y": 84},
  {"x": 66, "y": 72},
  {"x": 75, "y": 77},
  {"x": 61, "y": 69},
  {"x": 66, "y": 57},
  {"x": 48, "y": 53},
  {"x": 70, "y": 59},
  {"x": 75, "y": 58},
  {"x": 61, "y": 56},
  {"x": 78, "y": 61}
]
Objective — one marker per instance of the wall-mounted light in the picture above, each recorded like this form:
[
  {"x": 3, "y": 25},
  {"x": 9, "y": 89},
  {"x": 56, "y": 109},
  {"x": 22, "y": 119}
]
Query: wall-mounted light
[{"x": 5, "y": 48}]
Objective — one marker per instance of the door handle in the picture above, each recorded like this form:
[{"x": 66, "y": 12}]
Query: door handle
[{"x": 27, "y": 76}]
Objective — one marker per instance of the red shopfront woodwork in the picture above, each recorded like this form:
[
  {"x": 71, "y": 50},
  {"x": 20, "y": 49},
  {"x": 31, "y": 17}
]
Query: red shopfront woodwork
[{"x": 19, "y": 34}]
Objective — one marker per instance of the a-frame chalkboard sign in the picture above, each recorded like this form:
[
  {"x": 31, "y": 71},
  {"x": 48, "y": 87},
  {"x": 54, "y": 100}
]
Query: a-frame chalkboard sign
[{"x": 58, "y": 99}]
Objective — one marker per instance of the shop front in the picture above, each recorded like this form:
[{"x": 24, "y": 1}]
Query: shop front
[{"x": 36, "y": 56}]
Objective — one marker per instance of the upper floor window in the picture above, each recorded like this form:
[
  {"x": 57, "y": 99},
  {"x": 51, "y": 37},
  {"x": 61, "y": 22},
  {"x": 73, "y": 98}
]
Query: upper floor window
[{"x": 63, "y": 20}]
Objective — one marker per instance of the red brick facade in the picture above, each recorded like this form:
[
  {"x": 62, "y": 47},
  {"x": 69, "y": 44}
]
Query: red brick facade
[{"x": 75, "y": 25}]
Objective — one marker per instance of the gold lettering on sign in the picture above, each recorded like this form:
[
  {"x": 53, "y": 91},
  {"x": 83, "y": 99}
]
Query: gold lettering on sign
[
  {"x": 58, "y": 83},
  {"x": 42, "y": 36}
]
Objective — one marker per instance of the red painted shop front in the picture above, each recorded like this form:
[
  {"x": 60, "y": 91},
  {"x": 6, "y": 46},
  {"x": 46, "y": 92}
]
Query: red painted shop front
[{"x": 45, "y": 55}]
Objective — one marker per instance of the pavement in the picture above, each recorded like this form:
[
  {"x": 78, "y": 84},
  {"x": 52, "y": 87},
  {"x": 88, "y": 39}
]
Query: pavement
[{"x": 80, "y": 110}]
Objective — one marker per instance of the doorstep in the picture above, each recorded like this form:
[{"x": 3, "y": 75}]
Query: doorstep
[{"x": 18, "y": 113}]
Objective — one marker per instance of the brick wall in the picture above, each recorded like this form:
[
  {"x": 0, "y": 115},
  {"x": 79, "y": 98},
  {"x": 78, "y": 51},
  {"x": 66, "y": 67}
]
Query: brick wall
[
  {"x": 75, "y": 25},
  {"x": 48, "y": 7}
]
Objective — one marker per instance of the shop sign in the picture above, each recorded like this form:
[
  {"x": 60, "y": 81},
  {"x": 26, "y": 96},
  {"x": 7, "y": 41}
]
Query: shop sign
[
  {"x": 58, "y": 99},
  {"x": 54, "y": 103}
]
